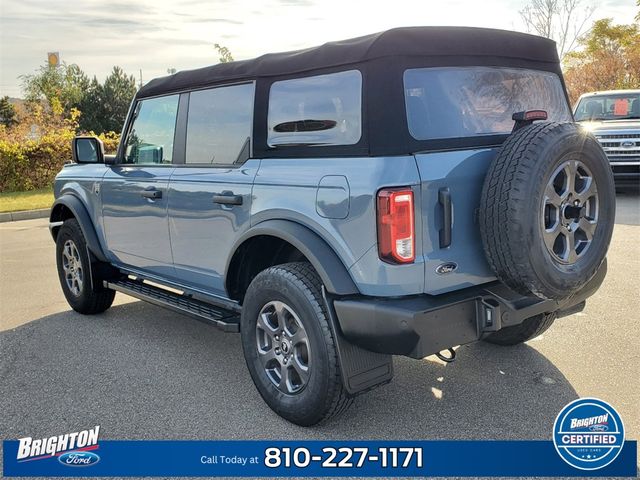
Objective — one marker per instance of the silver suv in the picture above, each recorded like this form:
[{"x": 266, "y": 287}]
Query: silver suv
[{"x": 613, "y": 116}]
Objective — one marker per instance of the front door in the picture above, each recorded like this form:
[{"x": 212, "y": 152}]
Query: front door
[
  {"x": 135, "y": 190},
  {"x": 210, "y": 194}
]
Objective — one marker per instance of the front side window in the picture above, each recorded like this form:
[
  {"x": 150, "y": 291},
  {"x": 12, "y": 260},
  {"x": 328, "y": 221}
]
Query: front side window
[
  {"x": 619, "y": 106},
  {"x": 316, "y": 111},
  {"x": 472, "y": 101},
  {"x": 219, "y": 125},
  {"x": 150, "y": 140}
]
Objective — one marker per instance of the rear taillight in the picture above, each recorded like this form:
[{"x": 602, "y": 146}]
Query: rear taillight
[{"x": 396, "y": 226}]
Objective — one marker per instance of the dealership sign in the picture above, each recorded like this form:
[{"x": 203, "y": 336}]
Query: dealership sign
[{"x": 588, "y": 440}]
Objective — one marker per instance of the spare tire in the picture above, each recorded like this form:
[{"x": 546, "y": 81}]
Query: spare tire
[{"x": 547, "y": 210}]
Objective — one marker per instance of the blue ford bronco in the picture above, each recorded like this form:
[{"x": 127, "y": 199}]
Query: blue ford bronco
[{"x": 394, "y": 194}]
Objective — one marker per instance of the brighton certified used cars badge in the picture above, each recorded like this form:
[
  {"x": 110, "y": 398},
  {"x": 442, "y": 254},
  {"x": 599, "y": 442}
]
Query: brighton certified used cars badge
[{"x": 588, "y": 434}]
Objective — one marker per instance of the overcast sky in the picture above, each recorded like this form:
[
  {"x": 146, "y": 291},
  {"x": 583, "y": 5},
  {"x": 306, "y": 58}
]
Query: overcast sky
[{"x": 154, "y": 35}]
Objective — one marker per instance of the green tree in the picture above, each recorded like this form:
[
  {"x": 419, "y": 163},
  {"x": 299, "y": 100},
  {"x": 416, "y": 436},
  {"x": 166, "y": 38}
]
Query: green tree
[
  {"x": 117, "y": 92},
  {"x": 91, "y": 111},
  {"x": 224, "y": 52},
  {"x": 105, "y": 106},
  {"x": 609, "y": 59},
  {"x": 66, "y": 84},
  {"x": 7, "y": 112}
]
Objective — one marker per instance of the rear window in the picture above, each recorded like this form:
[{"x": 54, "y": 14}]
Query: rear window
[
  {"x": 609, "y": 107},
  {"x": 316, "y": 111},
  {"x": 473, "y": 101}
]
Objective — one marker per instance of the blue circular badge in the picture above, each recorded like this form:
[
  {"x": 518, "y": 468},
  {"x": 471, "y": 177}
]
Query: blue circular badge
[{"x": 588, "y": 434}]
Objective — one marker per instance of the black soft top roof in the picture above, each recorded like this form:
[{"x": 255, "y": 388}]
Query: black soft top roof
[{"x": 428, "y": 42}]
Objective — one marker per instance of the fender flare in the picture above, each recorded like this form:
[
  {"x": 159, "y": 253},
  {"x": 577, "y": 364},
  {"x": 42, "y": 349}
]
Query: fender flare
[
  {"x": 334, "y": 274},
  {"x": 79, "y": 211}
]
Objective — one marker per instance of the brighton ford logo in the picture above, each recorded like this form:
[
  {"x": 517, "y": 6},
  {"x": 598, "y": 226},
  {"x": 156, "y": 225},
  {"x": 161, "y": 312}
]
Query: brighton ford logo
[
  {"x": 78, "y": 459},
  {"x": 628, "y": 144},
  {"x": 588, "y": 434},
  {"x": 70, "y": 448}
]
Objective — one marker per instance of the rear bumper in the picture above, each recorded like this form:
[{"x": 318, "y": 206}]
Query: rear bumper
[{"x": 422, "y": 325}]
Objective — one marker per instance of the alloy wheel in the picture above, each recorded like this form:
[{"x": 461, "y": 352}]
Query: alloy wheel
[
  {"x": 283, "y": 347},
  {"x": 72, "y": 266},
  {"x": 570, "y": 212}
]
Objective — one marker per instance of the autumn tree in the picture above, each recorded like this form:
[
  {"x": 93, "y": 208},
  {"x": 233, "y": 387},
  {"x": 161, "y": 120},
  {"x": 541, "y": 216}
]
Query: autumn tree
[
  {"x": 64, "y": 84},
  {"x": 609, "y": 58},
  {"x": 561, "y": 20}
]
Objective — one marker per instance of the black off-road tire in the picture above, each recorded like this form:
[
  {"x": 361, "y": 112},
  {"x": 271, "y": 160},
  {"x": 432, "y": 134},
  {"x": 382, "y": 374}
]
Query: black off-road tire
[
  {"x": 531, "y": 328},
  {"x": 86, "y": 300},
  {"x": 512, "y": 209},
  {"x": 298, "y": 286}
]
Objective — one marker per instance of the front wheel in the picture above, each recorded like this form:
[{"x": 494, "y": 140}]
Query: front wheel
[
  {"x": 74, "y": 272},
  {"x": 289, "y": 346}
]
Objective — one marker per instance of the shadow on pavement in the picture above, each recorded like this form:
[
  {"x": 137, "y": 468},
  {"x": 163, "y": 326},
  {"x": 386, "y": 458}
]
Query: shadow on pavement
[{"x": 144, "y": 373}]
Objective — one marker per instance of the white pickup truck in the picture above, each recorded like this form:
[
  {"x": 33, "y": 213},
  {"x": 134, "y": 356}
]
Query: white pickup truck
[{"x": 613, "y": 116}]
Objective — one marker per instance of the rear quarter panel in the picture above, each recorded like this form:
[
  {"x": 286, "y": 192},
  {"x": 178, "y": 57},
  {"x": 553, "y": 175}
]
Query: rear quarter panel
[{"x": 288, "y": 189}]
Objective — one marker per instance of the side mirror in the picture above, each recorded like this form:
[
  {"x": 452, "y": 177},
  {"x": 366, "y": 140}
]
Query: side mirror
[{"x": 87, "y": 150}]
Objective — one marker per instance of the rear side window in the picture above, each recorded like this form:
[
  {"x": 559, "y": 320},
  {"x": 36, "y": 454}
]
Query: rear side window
[
  {"x": 316, "y": 111},
  {"x": 150, "y": 140},
  {"x": 219, "y": 125},
  {"x": 473, "y": 101}
]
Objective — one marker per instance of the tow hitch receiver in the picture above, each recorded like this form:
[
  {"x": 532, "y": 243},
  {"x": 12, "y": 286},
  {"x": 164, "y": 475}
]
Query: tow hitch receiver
[{"x": 490, "y": 315}]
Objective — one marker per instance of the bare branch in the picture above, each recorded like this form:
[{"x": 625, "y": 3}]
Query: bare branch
[{"x": 561, "y": 20}]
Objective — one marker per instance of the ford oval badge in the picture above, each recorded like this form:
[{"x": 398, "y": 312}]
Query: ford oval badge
[
  {"x": 446, "y": 268},
  {"x": 78, "y": 459}
]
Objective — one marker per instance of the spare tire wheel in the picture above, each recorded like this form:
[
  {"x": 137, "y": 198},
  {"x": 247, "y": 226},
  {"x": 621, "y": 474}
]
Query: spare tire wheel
[{"x": 547, "y": 210}]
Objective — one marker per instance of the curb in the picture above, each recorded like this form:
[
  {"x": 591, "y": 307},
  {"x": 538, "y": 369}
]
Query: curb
[{"x": 24, "y": 215}]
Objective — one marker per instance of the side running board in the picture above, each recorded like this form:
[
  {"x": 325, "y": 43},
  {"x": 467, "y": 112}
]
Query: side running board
[{"x": 222, "y": 318}]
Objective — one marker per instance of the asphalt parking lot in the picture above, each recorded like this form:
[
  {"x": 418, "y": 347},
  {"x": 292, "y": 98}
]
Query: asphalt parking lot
[{"x": 141, "y": 372}]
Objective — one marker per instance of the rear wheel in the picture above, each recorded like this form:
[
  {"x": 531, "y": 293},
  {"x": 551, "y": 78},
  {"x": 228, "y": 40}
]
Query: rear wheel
[
  {"x": 289, "y": 345},
  {"x": 74, "y": 272},
  {"x": 531, "y": 328}
]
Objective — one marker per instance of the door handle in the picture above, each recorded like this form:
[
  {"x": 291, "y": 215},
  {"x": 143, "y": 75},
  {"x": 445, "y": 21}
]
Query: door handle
[
  {"x": 444, "y": 199},
  {"x": 152, "y": 193},
  {"x": 227, "y": 198}
]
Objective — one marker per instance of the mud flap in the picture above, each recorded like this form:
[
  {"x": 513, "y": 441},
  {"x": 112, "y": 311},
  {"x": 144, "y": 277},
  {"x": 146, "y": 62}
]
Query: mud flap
[{"x": 361, "y": 369}]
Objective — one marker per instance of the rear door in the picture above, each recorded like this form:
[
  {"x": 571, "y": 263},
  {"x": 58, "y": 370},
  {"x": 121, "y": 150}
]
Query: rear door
[
  {"x": 135, "y": 191},
  {"x": 462, "y": 109},
  {"x": 210, "y": 191}
]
